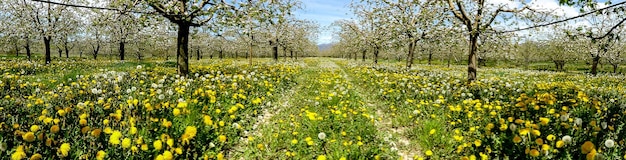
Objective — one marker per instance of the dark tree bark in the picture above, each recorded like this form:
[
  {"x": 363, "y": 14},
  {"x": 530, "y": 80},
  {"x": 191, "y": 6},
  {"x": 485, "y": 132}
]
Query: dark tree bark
[
  {"x": 60, "y": 51},
  {"x": 46, "y": 42},
  {"x": 96, "y": 49},
  {"x": 471, "y": 66},
  {"x": 221, "y": 54},
  {"x": 27, "y": 47},
  {"x": 67, "y": 50},
  {"x": 122, "y": 49},
  {"x": 376, "y": 51},
  {"x": 559, "y": 65},
  {"x": 17, "y": 49},
  {"x": 183, "y": 49},
  {"x": 409, "y": 61},
  {"x": 198, "y": 54},
  {"x": 364, "y": 51},
  {"x": 285, "y": 53},
  {"x": 274, "y": 49},
  {"x": 594, "y": 64},
  {"x": 430, "y": 57},
  {"x": 291, "y": 53}
]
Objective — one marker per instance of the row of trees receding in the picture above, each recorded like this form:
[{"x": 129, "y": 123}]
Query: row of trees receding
[
  {"x": 148, "y": 28},
  {"x": 479, "y": 30}
]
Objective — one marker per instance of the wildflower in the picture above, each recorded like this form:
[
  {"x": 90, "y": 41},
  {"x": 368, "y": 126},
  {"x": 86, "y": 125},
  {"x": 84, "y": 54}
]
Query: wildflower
[
  {"x": 19, "y": 153},
  {"x": 321, "y": 135},
  {"x": 321, "y": 157},
  {"x": 560, "y": 144},
  {"x": 36, "y": 156},
  {"x": 54, "y": 129},
  {"x": 207, "y": 120},
  {"x": 34, "y": 128},
  {"x": 567, "y": 139},
  {"x": 101, "y": 155},
  {"x": 294, "y": 141},
  {"x": 222, "y": 138},
  {"x": 157, "y": 144},
  {"x": 176, "y": 112},
  {"x": 551, "y": 137},
  {"x": 115, "y": 137},
  {"x": 587, "y": 147},
  {"x": 534, "y": 153},
  {"x": 28, "y": 137},
  {"x": 429, "y": 153},
  {"x": 167, "y": 155},
  {"x": 126, "y": 142},
  {"x": 609, "y": 143},
  {"x": 64, "y": 149},
  {"x": 220, "y": 156},
  {"x": 517, "y": 139},
  {"x": 592, "y": 154},
  {"x": 432, "y": 131}
]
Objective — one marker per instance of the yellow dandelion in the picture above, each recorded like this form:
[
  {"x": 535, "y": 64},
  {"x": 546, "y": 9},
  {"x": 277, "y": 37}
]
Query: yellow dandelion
[
  {"x": 157, "y": 144},
  {"x": 101, "y": 155},
  {"x": 126, "y": 142},
  {"x": 517, "y": 139},
  {"x": 28, "y": 137},
  {"x": 222, "y": 138},
  {"x": 64, "y": 149},
  {"x": 587, "y": 147},
  {"x": 429, "y": 153},
  {"x": 115, "y": 137}
]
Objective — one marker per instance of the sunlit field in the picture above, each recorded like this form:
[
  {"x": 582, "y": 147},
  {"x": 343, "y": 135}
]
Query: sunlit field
[{"x": 316, "y": 108}]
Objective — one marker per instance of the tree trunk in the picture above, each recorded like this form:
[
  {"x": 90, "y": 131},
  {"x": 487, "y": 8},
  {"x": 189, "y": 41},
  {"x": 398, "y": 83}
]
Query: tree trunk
[
  {"x": 221, "y": 54},
  {"x": 274, "y": 49},
  {"x": 364, "y": 51},
  {"x": 471, "y": 66},
  {"x": 46, "y": 42},
  {"x": 17, "y": 49},
  {"x": 614, "y": 67},
  {"x": 67, "y": 50},
  {"x": 122, "y": 49},
  {"x": 296, "y": 55},
  {"x": 198, "y": 54},
  {"x": 95, "y": 51},
  {"x": 291, "y": 53},
  {"x": 559, "y": 65},
  {"x": 594, "y": 65},
  {"x": 285, "y": 53},
  {"x": 409, "y": 60},
  {"x": 376, "y": 50},
  {"x": 183, "y": 49},
  {"x": 60, "y": 51},
  {"x": 27, "y": 47},
  {"x": 430, "y": 57}
]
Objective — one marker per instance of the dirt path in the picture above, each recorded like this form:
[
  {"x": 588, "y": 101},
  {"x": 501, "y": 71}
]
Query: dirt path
[{"x": 393, "y": 136}]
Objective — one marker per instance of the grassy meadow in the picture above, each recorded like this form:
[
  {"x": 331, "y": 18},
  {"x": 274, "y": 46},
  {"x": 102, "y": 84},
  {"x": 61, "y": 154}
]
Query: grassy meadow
[{"x": 311, "y": 108}]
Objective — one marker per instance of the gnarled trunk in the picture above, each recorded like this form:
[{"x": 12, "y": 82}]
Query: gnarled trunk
[
  {"x": 471, "y": 66},
  {"x": 559, "y": 65},
  {"x": 182, "y": 49},
  {"x": 409, "y": 60},
  {"x": 594, "y": 65},
  {"x": 46, "y": 42},
  {"x": 376, "y": 51}
]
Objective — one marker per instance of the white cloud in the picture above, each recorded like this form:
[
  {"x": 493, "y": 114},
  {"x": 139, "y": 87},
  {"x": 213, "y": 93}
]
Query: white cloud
[{"x": 553, "y": 5}]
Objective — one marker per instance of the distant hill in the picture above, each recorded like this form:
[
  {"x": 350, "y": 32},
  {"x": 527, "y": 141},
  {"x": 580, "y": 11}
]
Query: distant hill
[{"x": 325, "y": 46}]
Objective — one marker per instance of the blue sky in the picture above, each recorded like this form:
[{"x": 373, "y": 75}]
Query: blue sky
[{"x": 325, "y": 12}]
